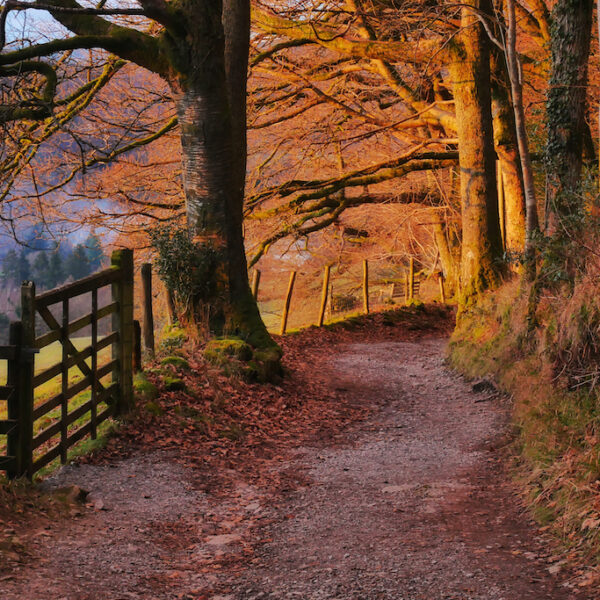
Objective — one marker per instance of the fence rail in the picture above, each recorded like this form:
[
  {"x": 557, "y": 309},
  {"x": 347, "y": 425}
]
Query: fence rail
[{"x": 77, "y": 397}]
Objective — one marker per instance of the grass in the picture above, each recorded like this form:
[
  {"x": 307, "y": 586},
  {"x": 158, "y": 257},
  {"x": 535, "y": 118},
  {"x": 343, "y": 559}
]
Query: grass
[{"x": 50, "y": 355}]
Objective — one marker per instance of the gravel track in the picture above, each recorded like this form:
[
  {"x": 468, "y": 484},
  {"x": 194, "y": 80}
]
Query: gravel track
[
  {"x": 412, "y": 503},
  {"x": 415, "y": 506}
]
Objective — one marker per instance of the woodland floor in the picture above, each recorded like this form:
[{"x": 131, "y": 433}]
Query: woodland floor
[{"x": 372, "y": 472}]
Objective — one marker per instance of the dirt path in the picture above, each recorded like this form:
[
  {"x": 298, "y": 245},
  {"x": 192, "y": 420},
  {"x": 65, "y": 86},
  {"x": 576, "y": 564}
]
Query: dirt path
[
  {"x": 414, "y": 507},
  {"x": 410, "y": 504}
]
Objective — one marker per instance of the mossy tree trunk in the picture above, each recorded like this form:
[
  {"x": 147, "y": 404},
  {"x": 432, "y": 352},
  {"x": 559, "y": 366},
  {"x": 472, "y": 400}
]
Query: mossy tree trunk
[
  {"x": 209, "y": 88},
  {"x": 566, "y": 106},
  {"x": 470, "y": 73},
  {"x": 449, "y": 248}
]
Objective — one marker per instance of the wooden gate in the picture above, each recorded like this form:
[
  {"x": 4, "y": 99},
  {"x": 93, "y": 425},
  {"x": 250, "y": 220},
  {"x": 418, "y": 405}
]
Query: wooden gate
[{"x": 59, "y": 403}]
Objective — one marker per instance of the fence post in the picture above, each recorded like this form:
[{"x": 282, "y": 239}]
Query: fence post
[
  {"x": 122, "y": 292},
  {"x": 13, "y": 447},
  {"x": 148, "y": 325},
  {"x": 137, "y": 346},
  {"x": 411, "y": 279},
  {"x": 366, "y": 286},
  {"x": 94, "y": 390},
  {"x": 25, "y": 378},
  {"x": 286, "y": 307},
  {"x": 64, "y": 370},
  {"x": 255, "y": 283},
  {"x": 324, "y": 295}
]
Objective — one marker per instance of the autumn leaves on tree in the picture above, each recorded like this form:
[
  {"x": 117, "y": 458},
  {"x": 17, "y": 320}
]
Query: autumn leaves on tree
[{"x": 351, "y": 103}]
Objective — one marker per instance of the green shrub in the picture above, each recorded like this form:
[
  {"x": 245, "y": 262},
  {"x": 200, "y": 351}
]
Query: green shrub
[{"x": 187, "y": 268}]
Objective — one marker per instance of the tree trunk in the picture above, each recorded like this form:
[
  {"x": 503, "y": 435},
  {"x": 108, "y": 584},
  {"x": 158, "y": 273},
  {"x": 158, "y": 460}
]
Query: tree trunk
[
  {"x": 236, "y": 26},
  {"x": 516, "y": 86},
  {"x": 470, "y": 74},
  {"x": 211, "y": 111},
  {"x": 505, "y": 142},
  {"x": 570, "y": 45},
  {"x": 448, "y": 254}
]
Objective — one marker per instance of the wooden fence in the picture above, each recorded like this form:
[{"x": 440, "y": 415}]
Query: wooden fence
[
  {"x": 409, "y": 290},
  {"x": 82, "y": 388}
]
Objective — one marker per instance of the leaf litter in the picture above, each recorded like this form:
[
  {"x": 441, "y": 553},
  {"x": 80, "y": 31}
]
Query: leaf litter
[{"x": 202, "y": 498}]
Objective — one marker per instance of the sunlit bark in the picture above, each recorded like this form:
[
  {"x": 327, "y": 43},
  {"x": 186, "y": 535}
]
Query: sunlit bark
[
  {"x": 506, "y": 146},
  {"x": 481, "y": 239}
]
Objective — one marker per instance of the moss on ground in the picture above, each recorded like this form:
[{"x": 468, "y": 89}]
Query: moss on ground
[
  {"x": 220, "y": 351},
  {"x": 144, "y": 389},
  {"x": 172, "y": 338},
  {"x": 176, "y": 361},
  {"x": 173, "y": 384},
  {"x": 238, "y": 358}
]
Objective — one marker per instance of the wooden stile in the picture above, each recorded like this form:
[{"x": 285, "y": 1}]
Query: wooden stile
[
  {"x": 324, "y": 296},
  {"x": 22, "y": 380},
  {"x": 148, "y": 321},
  {"x": 79, "y": 287},
  {"x": 286, "y": 306}
]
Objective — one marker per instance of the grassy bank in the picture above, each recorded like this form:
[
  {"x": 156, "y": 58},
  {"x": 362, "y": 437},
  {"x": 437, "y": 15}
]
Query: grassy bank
[{"x": 550, "y": 368}]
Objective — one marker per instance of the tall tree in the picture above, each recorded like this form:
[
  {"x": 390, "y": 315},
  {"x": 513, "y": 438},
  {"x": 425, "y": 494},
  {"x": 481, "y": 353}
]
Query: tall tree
[
  {"x": 56, "y": 271},
  {"x": 10, "y": 266},
  {"x": 199, "y": 48},
  {"x": 23, "y": 267},
  {"x": 507, "y": 150},
  {"x": 95, "y": 253},
  {"x": 516, "y": 84},
  {"x": 77, "y": 264},
  {"x": 41, "y": 270},
  {"x": 470, "y": 73}
]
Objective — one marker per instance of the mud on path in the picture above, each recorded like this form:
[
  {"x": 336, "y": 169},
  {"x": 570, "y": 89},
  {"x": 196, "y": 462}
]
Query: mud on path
[{"x": 411, "y": 503}]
